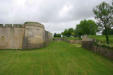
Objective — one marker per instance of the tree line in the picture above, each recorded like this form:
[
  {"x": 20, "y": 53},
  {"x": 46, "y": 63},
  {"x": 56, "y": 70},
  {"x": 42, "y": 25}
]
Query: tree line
[{"x": 104, "y": 22}]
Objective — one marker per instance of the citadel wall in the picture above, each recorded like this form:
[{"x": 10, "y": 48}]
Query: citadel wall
[
  {"x": 23, "y": 36},
  {"x": 34, "y": 35},
  {"x": 11, "y": 37},
  {"x": 48, "y": 37}
]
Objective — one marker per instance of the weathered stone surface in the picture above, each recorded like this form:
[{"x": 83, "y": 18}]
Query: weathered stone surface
[
  {"x": 8, "y": 25},
  {"x": 98, "y": 49},
  {"x": 34, "y": 35},
  {"x": 11, "y": 38},
  {"x": 18, "y": 25},
  {"x": 85, "y": 38},
  {"x": 48, "y": 37},
  {"x": 30, "y": 35}
]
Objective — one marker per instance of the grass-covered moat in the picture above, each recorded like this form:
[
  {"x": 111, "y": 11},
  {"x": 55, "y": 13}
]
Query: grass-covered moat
[{"x": 59, "y": 58}]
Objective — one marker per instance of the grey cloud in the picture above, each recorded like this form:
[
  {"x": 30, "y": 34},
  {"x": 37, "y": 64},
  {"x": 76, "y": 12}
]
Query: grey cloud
[{"x": 55, "y": 14}]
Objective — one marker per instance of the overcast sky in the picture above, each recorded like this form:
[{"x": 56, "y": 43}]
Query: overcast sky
[{"x": 56, "y": 15}]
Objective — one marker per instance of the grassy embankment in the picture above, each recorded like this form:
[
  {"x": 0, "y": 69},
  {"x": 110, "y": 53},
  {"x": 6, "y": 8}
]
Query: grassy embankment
[{"x": 103, "y": 39}]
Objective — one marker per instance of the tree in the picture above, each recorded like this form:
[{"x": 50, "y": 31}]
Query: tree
[
  {"x": 86, "y": 27},
  {"x": 68, "y": 32},
  {"x": 110, "y": 32},
  {"x": 65, "y": 33},
  {"x": 104, "y": 16},
  {"x": 57, "y": 35}
]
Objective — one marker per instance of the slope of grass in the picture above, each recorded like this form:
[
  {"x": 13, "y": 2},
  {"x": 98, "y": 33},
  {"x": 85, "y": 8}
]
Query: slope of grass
[
  {"x": 59, "y": 58},
  {"x": 102, "y": 37}
]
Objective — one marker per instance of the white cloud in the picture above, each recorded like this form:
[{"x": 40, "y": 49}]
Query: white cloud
[
  {"x": 55, "y": 14},
  {"x": 65, "y": 10}
]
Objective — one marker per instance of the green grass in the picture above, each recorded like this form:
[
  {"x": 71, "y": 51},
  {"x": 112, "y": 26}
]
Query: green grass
[
  {"x": 59, "y": 58},
  {"x": 103, "y": 39}
]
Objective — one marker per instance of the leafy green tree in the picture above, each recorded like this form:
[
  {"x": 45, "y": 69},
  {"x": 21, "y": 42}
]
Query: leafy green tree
[
  {"x": 110, "y": 32},
  {"x": 71, "y": 31},
  {"x": 57, "y": 35},
  {"x": 65, "y": 33},
  {"x": 86, "y": 27},
  {"x": 104, "y": 16},
  {"x": 68, "y": 32}
]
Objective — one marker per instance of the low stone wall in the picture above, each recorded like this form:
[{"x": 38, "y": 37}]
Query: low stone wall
[
  {"x": 74, "y": 41},
  {"x": 58, "y": 39},
  {"x": 69, "y": 41},
  {"x": 89, "y": 44},
  {"x": 98, "y": 49}
]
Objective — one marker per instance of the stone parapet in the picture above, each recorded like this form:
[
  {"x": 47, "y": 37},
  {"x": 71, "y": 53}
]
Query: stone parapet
[
  {"x": 18, "y": 25},
  {"x": 8, "y": 25}
]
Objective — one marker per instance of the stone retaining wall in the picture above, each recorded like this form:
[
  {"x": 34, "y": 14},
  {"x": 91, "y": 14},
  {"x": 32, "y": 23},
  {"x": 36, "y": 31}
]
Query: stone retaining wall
[
  {"x": 98, "y": 49},
  {"x": 69, "y": 41}
]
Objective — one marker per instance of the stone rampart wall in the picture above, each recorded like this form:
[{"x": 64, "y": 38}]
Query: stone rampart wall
[
  {"x": 10, "y": 37},
  {"x": 23, "y": 36}
]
